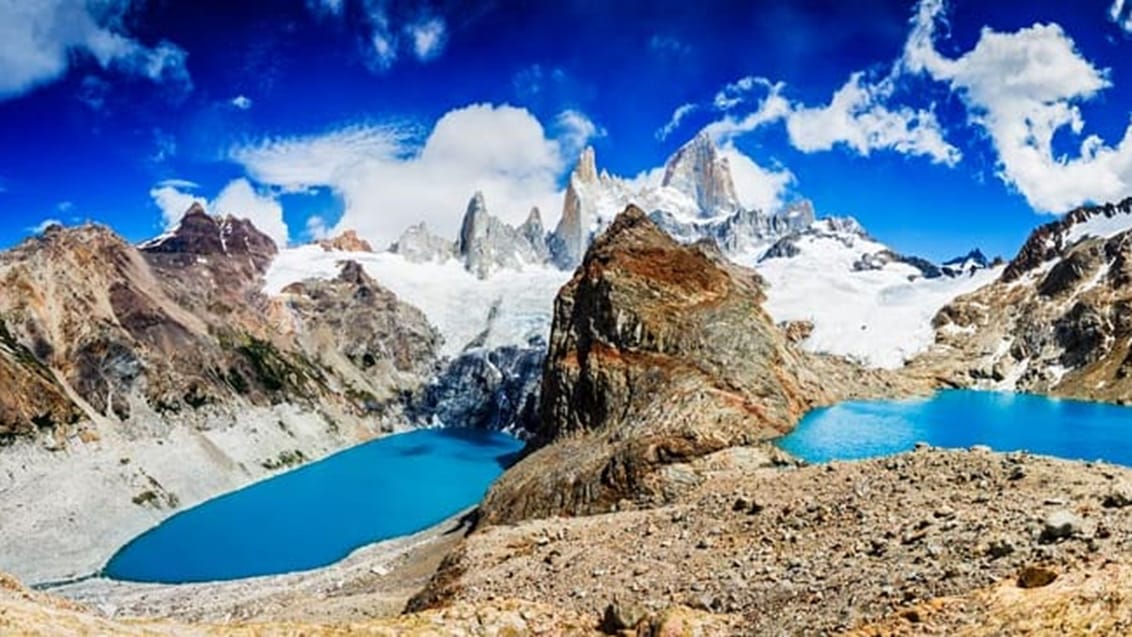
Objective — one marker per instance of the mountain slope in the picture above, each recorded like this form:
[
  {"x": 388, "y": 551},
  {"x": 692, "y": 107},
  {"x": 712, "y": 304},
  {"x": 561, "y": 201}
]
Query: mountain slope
[
  {"x": 1058, "y": 319},
  {"x": 157, "y": 376}
]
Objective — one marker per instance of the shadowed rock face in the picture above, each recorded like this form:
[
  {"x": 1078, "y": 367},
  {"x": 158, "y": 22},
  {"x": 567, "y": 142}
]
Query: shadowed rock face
[{"x": 658, "y": 353}]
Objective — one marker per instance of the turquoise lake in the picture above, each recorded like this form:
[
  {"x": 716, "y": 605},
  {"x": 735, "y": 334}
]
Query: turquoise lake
[
  {"x": 961, "y": 418},
  {"x": 319, "y": 513}
]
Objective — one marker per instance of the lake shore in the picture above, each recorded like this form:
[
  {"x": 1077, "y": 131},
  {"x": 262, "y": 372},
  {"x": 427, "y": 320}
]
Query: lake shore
[{"x": 374, "y": 581}]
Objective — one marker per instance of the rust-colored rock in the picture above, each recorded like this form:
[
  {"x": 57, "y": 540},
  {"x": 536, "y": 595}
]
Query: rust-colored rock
[
  {"x": 347, "y": 241},
  {"x": 659, "y": 353}
]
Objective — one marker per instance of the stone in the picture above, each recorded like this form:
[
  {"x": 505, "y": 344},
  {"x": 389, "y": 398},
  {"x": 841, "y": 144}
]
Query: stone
[
  {"x": 1059, "y": 525},
  {"x": 1036, "y": 577},
  {"x": 619, "y": 616}
]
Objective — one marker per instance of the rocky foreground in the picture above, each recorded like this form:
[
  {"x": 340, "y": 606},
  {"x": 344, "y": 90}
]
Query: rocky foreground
[{"x": 930, "y": 541}]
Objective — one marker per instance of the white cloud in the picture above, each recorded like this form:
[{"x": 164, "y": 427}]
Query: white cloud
[
  {"x": 428, "y": 37},
  {"x": 757, "y": 187},
  {"x": 574, "y": 131},
  {"x": 674, "y": 122},
  {"x": 771, "y": 108},
  {"x": 1121, "y": 14},
  {"x": 389, "y": 181},
  {"x": 1022, "y": 88},
  {"x": 734, "y": 93},
  {"x": 317, "y": 228},
  {"x": 242, "y": 102},
  {"x": 857, "y": 117},
  {"x": 65, "y": 206},
  {"x": 238, "y": 199},
  {"x": 39, "y": 40}
]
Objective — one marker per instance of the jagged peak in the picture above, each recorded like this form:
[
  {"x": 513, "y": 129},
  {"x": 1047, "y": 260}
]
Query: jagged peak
[
  {"x": 698, "y": 170},
  {"x": 586, "y": 168},
  {"x": 199, "y": 232},
  {"x": 534, "y": 218},
  {"x": 473, "y": 225}
]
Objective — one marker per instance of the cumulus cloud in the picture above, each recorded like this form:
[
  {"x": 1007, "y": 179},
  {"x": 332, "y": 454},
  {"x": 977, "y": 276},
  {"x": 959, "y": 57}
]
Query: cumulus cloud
[
  {"x": 39, "y": 40},
  {"x": 428, "y": 37},
  {"x": 1022, "y": 88},
  {"x": 238, "y": 199},
  {"x": 757, "y": 187},
  {"x": 242, "y": 102},
  {"x": 678, "y": 115},
  {"x": 1121, "y": 14},
  {"x": 858, "y": 118},
  {"x": 388, "y": 179}
]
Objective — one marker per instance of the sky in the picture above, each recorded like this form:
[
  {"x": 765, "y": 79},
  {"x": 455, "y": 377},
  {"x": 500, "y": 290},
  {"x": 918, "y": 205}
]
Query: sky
[{"x": 941, "y": 126}]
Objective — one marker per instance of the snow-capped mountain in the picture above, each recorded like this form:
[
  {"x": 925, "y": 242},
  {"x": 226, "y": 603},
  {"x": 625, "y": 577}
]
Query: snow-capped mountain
[
  {"x": 490, "y": 290},
  {"x": 1057, "y": 320},
  {"x": 858, "y": 297}
]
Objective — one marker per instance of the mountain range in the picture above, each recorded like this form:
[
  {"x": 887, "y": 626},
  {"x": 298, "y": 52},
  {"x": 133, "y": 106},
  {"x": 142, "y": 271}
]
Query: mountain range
[{"x": 210, "y": 351}]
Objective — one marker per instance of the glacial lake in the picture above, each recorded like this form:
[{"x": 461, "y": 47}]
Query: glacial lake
[
  {"x": 960, "y": 418},
  {"x": 319, "y": 513}
]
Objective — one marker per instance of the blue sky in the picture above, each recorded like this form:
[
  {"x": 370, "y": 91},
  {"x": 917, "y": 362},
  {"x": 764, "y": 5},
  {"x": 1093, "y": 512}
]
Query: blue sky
[{"x": 940, "y": 125}]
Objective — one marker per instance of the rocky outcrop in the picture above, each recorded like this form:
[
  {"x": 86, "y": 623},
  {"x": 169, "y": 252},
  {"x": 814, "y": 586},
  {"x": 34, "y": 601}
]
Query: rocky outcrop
[
  {"x": 495, "y": 389},
  {"x": 347, "y": 241},
  {"x": 418, "y": 245},
  {"x": 379, "y": 345},
  {"x": 1056, "y": 321},
  {"x": 1049, "y": 241},
  {"x": 740, "y": 232},
  {"x": 487, "y": 244},
  {"x": 659, "y": 352},
  {"x": 699, "y": 171}
]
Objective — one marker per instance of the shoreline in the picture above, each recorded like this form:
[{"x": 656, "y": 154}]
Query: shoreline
[{"x": 373, "y": 581}]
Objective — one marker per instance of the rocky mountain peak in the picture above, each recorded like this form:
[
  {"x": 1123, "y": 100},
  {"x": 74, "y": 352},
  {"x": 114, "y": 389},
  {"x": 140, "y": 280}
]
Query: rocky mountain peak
[
  {"x": 201, "y": 234},
  {"x": 586, "y": 168},
  {"x": 699, "y": 171},
  {"x": 475, "y": 224},
  {"x": 418, "y": 244},
  {"x": 658, "y": 351},
  {"x": 1050, "y": 241},
  {"x": 347, "y": 241}
]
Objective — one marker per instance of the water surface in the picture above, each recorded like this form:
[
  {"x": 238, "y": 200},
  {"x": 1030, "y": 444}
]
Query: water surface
[
  {"x": 960, "y": 418},
  {"x": 317, "y": 514}
]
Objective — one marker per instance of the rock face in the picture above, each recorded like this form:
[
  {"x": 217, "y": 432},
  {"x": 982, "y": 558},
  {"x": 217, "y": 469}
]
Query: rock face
[
  {"x": 698, "y": 170},
  {"x": 487, "y": 244},
  {"x": 1056, "y": 321},
  {"x": 580, "y": 208},
  {"x": 658, "y": 352},
  {"x": 348, "y": 241},
  {"x": 371, "y": 333},
  {"x": 418, "y": 245}
]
